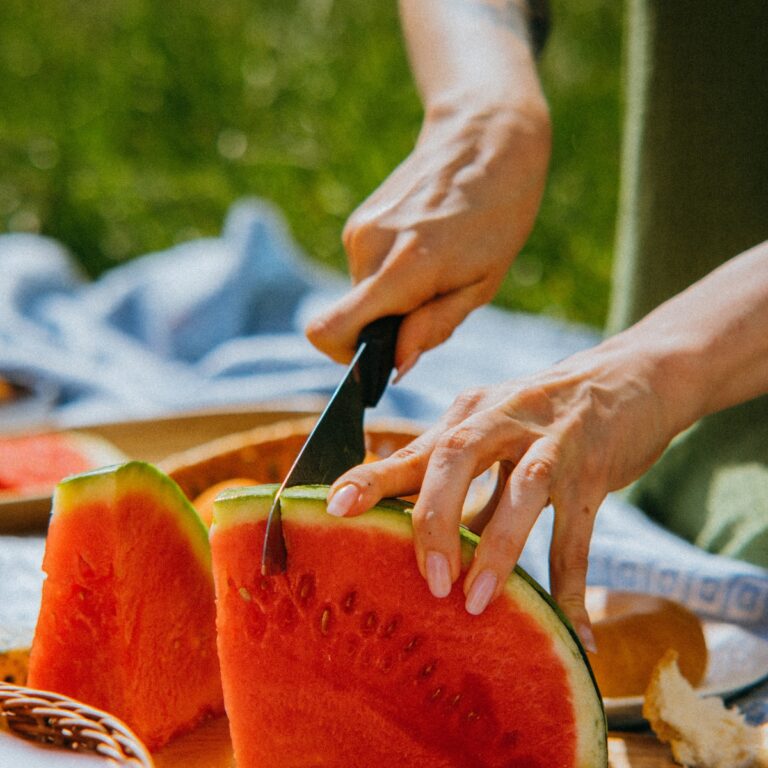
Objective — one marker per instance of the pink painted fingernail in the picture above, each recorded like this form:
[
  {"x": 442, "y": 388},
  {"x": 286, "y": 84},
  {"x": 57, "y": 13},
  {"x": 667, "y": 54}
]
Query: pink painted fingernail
[
  {"x": 587, "y": 637},
  {"x": 341, "y": 503},
  {"x": 481, "y": 593},
  {"x": 438, "y": 574},
  {"x": 409, "y": 362}
]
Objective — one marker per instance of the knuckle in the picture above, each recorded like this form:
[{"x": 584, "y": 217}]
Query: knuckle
[
  {"x": 406, "y": 453},
  {"x": 468, "y": 401},
  {"x": 572, "y": 603},
  {"x": 539, "y": 471},
  {"x": 571, "y": 564},
  {"x": 457, "y": 440},
  {"x": 360, "y": 235},
  {"x": 533, "y": 399},
  {"x": 427, "y": 523},
  {"x": 349, "y": 232}
]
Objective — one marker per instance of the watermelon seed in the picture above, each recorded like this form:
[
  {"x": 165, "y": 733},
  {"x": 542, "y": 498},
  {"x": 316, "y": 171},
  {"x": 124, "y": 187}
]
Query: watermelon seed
[
  {"x": 428, "y": 669},
  {"x": 413, "y": 644},
  {"x": 455, "y": 700},
  {"x": 436, "y": 694},
  {"x": 391, "y": 627},
  {"x": 245, "y": 594},
  {"x": 348, "y": 606},
  {"x": 326, "y": 619},
  {"x": 369, "y": 622},
  {"x": 306, "y": 589},
  {"x": 472, "y": 716}
]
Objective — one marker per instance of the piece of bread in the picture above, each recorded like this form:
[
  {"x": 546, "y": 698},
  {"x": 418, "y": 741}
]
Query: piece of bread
[
  {"x": 633, "y": 631},
  {"x": 701, "y": 731}
]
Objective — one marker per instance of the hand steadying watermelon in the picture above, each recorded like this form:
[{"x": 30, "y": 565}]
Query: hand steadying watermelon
[{"x": 347, "y": 660}]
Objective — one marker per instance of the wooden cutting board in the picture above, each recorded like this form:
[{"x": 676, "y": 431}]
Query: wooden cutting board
[{"x": 209, "y": 747}]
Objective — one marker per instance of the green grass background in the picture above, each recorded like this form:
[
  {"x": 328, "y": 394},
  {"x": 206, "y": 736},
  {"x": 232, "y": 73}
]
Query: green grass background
[{"x": 129, "y": 125}]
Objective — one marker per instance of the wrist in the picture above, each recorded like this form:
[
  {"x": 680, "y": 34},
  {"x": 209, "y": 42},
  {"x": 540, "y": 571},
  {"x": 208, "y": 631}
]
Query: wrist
[
  {"x": 674, "y": 369},
  {"x": 503, "y": 123}
]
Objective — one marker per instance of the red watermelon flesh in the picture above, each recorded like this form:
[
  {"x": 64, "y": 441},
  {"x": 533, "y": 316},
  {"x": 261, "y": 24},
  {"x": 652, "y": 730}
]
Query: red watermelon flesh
[
  {"x": 35, "y": 463},
  {"x": 347, "y": 660},
  {"x": 127, "y": 621}
]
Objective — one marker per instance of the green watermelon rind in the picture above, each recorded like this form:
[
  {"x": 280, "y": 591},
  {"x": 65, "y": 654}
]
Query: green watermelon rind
[
  {"x": 76, "y": 490},
  {"x": 234, "y": 507}
]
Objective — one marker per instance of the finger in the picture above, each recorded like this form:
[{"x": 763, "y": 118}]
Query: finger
[
  {"x": 397, "y": 288},
  {"x": 459, "y": 455},
  {"x": 400, "y": 474},
  {"x": 569, "y": 560},
  {"x": 335, "y": 331},
  {"x": 433, "y": 323},
  {"x": 366, "y": 243},
  {"x": 477, "y": 519},
  {"x": 505, "y": 534}
]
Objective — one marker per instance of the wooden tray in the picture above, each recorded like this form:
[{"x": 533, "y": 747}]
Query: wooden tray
[
  {"x": 153, "y": 440},
  {"x": 209, "y": 747}
]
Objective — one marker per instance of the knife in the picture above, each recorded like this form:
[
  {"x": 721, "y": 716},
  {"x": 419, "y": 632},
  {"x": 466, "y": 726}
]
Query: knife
[{"x": 337, "y": 441}]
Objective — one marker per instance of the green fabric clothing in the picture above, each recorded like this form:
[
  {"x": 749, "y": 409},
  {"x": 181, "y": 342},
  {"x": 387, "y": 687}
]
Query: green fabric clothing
[
  {"x": 711, "y": 485},
  {"x": 694, "y": 193}
]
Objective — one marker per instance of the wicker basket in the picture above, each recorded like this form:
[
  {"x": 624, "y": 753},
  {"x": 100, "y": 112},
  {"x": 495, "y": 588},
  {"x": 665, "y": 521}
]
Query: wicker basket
[{"x": 49, "y": 718}]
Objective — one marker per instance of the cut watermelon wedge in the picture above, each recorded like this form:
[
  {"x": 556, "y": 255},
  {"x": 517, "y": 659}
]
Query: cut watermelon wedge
[
  {"x": 127, "y": 621},
  {"x": 347, "y": 660}
]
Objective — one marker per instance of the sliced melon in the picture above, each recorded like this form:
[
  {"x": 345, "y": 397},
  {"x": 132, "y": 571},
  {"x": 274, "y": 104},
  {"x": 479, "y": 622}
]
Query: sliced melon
[
  {"x": 347, "y": 660},
  {"x": 127, "y": 621},
  {"x": 34, "y": 463}
]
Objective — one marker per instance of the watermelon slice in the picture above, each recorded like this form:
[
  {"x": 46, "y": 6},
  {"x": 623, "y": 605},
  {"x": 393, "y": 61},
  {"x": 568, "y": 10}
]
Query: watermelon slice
[
  {"x": 127, "y": 621},
  {"x": 35, "y": 463},
  {"x": 347, "y": 660}
]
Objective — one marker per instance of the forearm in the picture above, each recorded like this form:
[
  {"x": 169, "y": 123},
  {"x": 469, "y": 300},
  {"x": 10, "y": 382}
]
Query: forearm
[
  {"x": 710, "y": 342},
  {"x": 472, "y": 55}
]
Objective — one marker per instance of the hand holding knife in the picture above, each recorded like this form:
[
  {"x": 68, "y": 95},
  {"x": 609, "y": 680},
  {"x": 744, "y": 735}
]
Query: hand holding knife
[{"x": 337, "y": 442}]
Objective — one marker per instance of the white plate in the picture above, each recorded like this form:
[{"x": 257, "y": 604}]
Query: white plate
[{"x": 737, "y": 661}]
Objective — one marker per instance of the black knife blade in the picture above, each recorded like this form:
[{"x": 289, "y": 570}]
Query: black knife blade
[{"x": 337, "y": 441}]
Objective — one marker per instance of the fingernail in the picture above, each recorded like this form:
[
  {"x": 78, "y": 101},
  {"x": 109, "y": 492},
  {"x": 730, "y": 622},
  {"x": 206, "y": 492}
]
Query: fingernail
[
  {"x": 409, "y": 362},
  {"x": 438, "y": 574},
  {"x": 584, "y": 631},
  {"x": 481, "y": 593},
  {"x": 343, "y": 500}
]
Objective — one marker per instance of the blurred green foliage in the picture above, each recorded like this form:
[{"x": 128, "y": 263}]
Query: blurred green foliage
[{"x": 129, "y": 125}]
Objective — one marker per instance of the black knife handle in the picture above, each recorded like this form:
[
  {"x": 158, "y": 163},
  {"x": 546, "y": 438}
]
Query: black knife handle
[{"x": 380, "y": 336}]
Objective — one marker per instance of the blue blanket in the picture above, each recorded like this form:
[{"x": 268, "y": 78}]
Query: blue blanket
[{"x": 219, "y": 321}]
